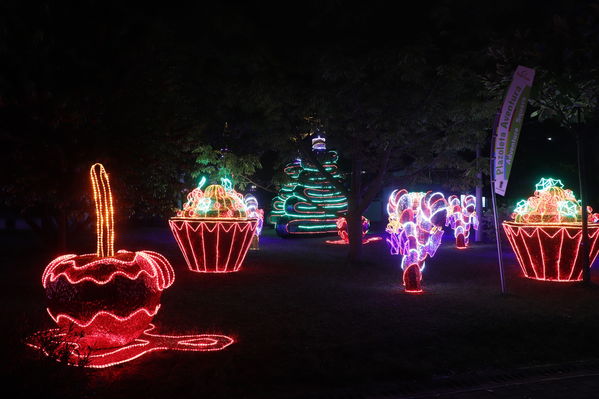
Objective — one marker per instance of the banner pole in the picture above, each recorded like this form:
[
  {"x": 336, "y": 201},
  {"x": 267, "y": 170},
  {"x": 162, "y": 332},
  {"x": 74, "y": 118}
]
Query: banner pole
[{"x": 494, "y": 203}]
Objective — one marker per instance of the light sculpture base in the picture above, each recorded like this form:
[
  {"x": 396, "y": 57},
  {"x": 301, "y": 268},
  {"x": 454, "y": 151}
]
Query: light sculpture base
[
  {"x": 213, "y": 245},
  {"x": 550, "y": 252},
  {"x": 460, "y": 242},
  {"x": 412, "y": 277},
  {"x": 54, "y": 344}
]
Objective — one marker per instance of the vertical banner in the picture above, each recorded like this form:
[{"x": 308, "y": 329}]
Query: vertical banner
[{"x": 509, "y": 126}]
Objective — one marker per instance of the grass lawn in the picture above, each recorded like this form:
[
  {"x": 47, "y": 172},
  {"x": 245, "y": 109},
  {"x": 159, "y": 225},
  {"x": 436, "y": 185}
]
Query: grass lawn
[{"x": 307, "y": 325}]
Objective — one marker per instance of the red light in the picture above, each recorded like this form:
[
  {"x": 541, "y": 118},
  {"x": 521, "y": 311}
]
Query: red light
[
  {"x": 342, "y": 232},
  {"x": 550, "y": 251},
  {"x": 146, "y": 343},
  {"x": 364, "y": 241},
  {"x": 213, "y": 245},
  {"x": 107, "y": 299},
  {"x": 412, "y": 277}
]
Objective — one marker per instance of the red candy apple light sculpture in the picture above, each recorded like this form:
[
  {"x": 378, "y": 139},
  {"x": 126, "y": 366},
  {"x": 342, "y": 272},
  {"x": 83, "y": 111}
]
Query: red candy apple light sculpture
[
  {"x": 547, "y": 232},
  {"x": 109, "y": 299},
  {"x": 213, "y": 230},
  {"x": 103, "y": 303}
]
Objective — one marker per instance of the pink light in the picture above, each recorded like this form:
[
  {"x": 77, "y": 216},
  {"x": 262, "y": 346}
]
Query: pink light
[
  {"x": 342, "y": 232},
  {"x": 148, "y": 342},
  {"x": 415, "y": 231},
  {"x": 461, "y": 216}
]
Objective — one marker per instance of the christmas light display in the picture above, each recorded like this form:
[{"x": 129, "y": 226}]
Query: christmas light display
[
  {"x": 546, "y": 233},
  {"x": 461, "y": 216},
  {"x": 213, "y": 229},
  {"x": 415, "y": 230},
  {"x": 251, "y": 207},
  {"x": 309, "y": 204},
  {"x": 342, "y": 232},
  {"x": 146, "y": 343},
  {"x": 103, "y": 303},
  {"x": 106, "y": 299}
]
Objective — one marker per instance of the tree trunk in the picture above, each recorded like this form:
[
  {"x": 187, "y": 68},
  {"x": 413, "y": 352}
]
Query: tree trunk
[
  {"x": 584, "y": 245},
  {"x": 354, "y": 217}
]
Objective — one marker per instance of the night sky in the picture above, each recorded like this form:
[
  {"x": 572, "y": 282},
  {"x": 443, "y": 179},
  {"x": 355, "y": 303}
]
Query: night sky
[{"x": 96, "y": 78}]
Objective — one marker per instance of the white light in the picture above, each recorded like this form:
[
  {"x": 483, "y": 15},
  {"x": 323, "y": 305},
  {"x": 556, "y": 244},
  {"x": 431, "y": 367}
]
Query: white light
[{"x": 548, "y": 138}]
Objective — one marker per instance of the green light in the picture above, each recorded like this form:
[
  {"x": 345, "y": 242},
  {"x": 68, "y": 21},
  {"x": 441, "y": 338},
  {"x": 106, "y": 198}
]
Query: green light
[
  {"x": 521, "y": 207},
  {"x": 311, "y": 216},
  {"x": 202, "y": 182},
  {"x": 321, "y": 201},
  {"x": 309, "y": 202},
  {"x": 545, "y": 184},
  {"x": 226, "y": 183},
  {"x": 318, "y": 226},
  {"x": 567, "y": 208}
]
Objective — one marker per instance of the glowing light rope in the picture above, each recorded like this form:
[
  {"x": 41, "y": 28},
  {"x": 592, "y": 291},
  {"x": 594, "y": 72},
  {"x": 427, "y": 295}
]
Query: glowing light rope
[
  {"x": 215, "y": 228},
  {"x": 104, "y": 210},
  {"x": 308, "y": 203},
  {"x": 415, "y": 230},
  {"x": 251, "y": 207},
  {"x": 148, "y": 342},
  {"x": 550, "y": 204},
  {"x": 344, "y": 235},
  {"x": 217, "y": 201},
  {"x": 546, "y": 233},
  {"x": 461, "y": 216},
  {"x": 105, "y": 299}
]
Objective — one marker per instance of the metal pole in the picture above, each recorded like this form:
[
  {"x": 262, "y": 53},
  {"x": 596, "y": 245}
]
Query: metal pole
[
  {"x": 494, "y": 202},
  {"x": 478, "y": 234}
]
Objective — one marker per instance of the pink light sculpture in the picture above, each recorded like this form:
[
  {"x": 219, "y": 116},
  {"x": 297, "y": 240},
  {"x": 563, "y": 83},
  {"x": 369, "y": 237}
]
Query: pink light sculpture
[
  {"x": 415, "y": 230},
  {"x": 461, "y": 216},
  {"x": 254, "y": 212}
]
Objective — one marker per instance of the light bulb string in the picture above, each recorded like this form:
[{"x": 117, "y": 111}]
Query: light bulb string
[{"x": 104, "y": 210}]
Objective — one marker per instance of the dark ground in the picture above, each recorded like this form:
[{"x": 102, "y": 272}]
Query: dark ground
[{"x": 307, "y": 325}]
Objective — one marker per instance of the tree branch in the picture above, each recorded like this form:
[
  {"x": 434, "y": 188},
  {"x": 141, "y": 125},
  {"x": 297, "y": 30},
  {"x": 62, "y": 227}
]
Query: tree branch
[
  {"x": 310, "y": 155},
  {"x": 376, "y": 184},
  {"x": 270, "y": 190}
]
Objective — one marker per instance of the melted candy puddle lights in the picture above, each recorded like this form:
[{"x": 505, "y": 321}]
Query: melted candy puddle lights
[{"x": 146, "y": 343}]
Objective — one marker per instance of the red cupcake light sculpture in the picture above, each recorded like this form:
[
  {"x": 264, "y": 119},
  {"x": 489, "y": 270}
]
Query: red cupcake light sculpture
[
  {"x": 546, "y": 233},
  {"x": 106, "y": 299},
  {"x": 213, "y": 229}
]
